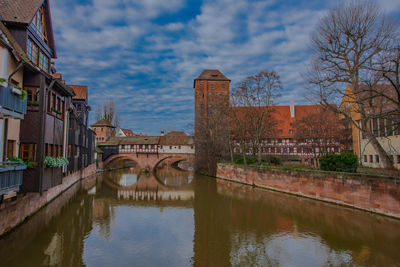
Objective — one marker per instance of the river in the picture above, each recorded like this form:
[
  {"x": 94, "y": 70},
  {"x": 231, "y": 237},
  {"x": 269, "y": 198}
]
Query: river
[{"x": 174, "y": 218}]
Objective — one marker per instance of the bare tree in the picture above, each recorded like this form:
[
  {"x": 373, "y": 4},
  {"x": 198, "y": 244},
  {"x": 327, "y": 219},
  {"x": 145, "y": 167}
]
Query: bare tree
[
  {"x": 108, "y": 112},
  {"x": 320, "y": 129},
  {"x": 347, "y": 41},
  {"x": 257, "y": 94}
]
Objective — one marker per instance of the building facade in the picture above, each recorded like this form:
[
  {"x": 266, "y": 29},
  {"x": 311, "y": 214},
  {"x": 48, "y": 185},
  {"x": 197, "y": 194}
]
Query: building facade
[
  {"x": 383, "y": 122},
  {"x": 81, "y": 139}
]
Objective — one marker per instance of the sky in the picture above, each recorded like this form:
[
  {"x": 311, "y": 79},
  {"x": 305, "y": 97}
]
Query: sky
[{"x": 145, "y": 54}]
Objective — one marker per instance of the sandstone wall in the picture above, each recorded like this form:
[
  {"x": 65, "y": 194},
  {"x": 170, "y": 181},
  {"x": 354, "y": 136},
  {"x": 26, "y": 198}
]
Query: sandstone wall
[{"x": 379, "y": 195}]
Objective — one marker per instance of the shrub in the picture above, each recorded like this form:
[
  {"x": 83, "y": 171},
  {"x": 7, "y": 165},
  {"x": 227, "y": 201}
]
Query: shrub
[
  {"x": 343, "y": 162},
  {"x": 239, "y": 160},
  {"x": 275, "y": 160}
]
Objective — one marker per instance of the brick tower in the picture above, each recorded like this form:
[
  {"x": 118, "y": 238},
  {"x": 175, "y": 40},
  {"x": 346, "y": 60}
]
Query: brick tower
[{"x": 211, "y": 120}]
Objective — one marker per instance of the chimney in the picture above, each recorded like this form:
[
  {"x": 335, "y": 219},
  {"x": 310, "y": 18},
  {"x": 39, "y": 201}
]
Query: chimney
[
  {"x": 292, "y": 109},
  {"x": 162, "y": 133}
]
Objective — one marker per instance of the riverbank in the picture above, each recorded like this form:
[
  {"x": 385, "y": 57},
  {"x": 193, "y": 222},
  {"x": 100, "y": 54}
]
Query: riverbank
[
  {"x": 13, "y": 213},
  {"x": 374, "y": 194}
]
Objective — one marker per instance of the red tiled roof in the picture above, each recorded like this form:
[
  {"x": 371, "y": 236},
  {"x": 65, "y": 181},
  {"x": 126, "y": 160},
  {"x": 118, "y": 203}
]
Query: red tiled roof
[
  {"x": 127, "y": 132},
  {"x": 80, "y": 91},
  {"x": 176, "y": 133},
  {"x": 282, "y": 116}
]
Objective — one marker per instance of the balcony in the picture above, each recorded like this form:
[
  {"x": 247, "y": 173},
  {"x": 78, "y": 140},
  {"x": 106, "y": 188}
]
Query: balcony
[
  {"x": 10, "y": 177},
  {"x": 10, "y": 102}
]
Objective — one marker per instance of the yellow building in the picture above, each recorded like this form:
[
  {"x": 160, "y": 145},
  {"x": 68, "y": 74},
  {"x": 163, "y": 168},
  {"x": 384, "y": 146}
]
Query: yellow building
[{"x": 386, "y": 130}]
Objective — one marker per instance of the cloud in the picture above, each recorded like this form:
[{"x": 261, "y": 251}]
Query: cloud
[{"x": 145, "y": 54}]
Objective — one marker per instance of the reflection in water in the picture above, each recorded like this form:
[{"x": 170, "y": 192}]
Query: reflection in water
[
  {"x": 128, "y": 179},
  {"x": 171, "y": 219}
]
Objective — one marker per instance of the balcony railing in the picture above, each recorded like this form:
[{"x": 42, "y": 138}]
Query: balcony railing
[
  {"x": 10, "y": 102},
  {"x": 10, "y": 177}
]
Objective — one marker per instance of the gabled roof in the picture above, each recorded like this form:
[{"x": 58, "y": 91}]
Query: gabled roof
[
  {"x": 212, "y": 75},
  {"x": 104, "y": 123},
  {"x": 80, "y": 91},
  {"x": 127, "y": 132},
  {"x": 23, "y": 11},
  {"x": 176, "y": 133}
]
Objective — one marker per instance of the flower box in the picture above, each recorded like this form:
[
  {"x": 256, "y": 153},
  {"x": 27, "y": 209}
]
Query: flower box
[
  {"x": 16, "y": 91},
  {"x": 4, "y": 84}
]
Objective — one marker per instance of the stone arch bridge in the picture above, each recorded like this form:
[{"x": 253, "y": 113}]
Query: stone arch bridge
[{"x": 147, "y": 151}]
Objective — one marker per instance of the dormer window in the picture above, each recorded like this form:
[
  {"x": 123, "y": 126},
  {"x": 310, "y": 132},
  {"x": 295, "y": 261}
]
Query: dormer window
[{"x": 40, "y": 24}]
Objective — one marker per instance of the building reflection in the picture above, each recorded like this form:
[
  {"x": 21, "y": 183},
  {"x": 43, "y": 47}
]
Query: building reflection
[{"x": 244, "y": 226}]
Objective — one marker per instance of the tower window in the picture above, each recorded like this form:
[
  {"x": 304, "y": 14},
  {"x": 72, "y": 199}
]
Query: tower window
[
  {"x": 212, "y": 85},
  {"x": 223, "y": 86},
  {"x": 201, "y": 85}
]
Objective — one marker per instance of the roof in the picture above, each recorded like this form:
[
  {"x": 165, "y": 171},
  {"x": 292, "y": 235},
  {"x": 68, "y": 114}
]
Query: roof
[
  {"x": 80, "y": 91},
  {"x": 21, "y": 11},
  {"x": 102, "y": 122},
  {"x": 176, "y": 140},
  {"x": 127, "y": 132},
  {"x": 212, "y": 75},
  {"x": 176, "y": 133},
  {"x": 284, "y": 122},
  {"x": 134, "y": 140}
]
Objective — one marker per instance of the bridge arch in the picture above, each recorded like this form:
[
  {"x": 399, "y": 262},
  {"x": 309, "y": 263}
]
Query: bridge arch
[{"x": 151, "y": 160}]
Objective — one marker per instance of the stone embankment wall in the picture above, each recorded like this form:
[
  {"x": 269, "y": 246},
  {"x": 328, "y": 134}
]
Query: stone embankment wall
[
  {"x": 379, "y": 195},
  {"x": 12, "y": 213}
]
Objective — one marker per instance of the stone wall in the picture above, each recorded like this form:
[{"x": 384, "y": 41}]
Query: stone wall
[
  {"x": 379, "y": 195},
  {"x": 12, "y": 213}
]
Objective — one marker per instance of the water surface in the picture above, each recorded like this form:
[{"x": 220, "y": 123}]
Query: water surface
[{"x": 173, "y": 218}]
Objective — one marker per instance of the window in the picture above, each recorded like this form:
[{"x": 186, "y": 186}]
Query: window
[
  {"x": 101, "y": 129},
  {"x": 201, "y": 85},
  {"x": 43, "y": 61},
  {"x": 39, "y": 23},
  {"x": 223, "y": 85},
  {"x": 146, "y": 146},
  {"x": 27, "y": 151},
  {"x": 179, "y": 147},
  {"x": 170, "y": 147},
  {"x": 56, "y": 150},
  {"x": 53, "y": 101},
  {"x": 58, "y": 104},
  {"x": 140, "y": 146},
  {"x": 33, "y": 94},
  {"x": 48, "y": 101},
  {"x": 69, "y": 151},
  {"x": 365, "y": 158},
  {"x": 377, "y": 158},
  {"x": 212, "y": 85},
  {"x": 398, "y": 158},
  {"x": 32, "y": 52},
  {"x": 290, "y": 131},
  {"x": 152, "y": 146},
  {"x": 371, "y": 158}
]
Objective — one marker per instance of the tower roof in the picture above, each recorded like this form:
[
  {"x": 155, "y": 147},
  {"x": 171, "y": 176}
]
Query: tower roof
[{"x": 212, "y": 75}]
